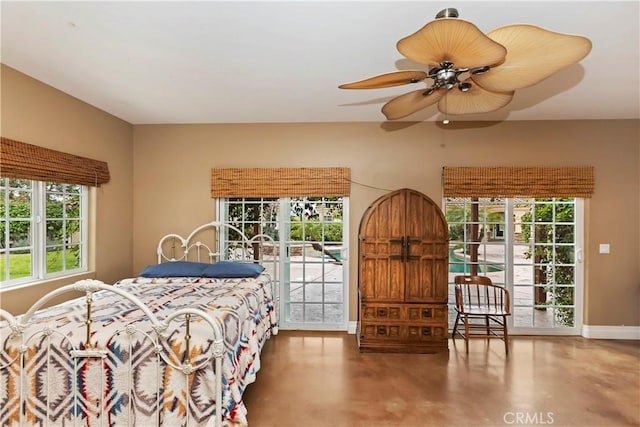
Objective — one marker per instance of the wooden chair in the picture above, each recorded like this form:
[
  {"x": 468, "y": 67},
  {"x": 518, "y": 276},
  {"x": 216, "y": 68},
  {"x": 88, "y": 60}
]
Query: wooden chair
[{"x": 477, "y": 298}]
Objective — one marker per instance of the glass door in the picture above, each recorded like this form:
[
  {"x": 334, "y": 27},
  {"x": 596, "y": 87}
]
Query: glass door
[
  {"x": 547, "y": 269},
  {"x": 532, "y": 247},
  {"x": 314, "y": 263},
  {"x": 311, "y": 236}
]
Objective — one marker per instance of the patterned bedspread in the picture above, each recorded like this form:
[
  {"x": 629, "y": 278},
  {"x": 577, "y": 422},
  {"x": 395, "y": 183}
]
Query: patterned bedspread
[{"x": 243, "y": 307}]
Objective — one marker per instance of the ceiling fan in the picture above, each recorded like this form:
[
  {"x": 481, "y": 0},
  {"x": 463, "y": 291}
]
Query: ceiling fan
[{"x": 470, "y": 72}]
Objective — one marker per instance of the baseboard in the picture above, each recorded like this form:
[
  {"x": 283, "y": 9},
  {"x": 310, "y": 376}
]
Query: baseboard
[
  {"x": 588, "y": 331},
  {"x": 611, "y": 332},
  {"x": 352, "y": 327}
]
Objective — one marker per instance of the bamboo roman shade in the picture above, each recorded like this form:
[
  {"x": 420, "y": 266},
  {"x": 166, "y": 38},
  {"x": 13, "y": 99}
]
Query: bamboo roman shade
[
  {"x": 539, "y": 182},
  {"x": 27, "y": 161},
  {"x": 280, "y": 182}
]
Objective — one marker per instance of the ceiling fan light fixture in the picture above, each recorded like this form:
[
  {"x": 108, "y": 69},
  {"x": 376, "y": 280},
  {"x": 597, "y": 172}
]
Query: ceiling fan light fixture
[
  {"x": 455, "y": 51},
  {"x": 446, "y": 78}
]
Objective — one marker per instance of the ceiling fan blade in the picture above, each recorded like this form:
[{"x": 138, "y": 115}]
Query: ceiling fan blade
[
  {"x": 396, "y": 78},
  {"x": 475, "y": 100},
  {"x": 403, "y": 105},
  {"x": 453, "y": 40},
  {"x": 533, "y": 55}
]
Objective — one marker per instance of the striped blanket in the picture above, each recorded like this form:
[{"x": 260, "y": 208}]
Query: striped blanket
[{"x": 104, "y": 391}]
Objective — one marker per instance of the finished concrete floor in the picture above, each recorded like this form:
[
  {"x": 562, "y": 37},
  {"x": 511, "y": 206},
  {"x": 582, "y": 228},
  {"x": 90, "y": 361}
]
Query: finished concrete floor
[{"x": 320, "y": 379}]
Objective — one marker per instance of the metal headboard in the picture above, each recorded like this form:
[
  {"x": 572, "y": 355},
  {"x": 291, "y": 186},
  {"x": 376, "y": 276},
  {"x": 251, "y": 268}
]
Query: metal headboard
[{"x": 216, "y": 241}]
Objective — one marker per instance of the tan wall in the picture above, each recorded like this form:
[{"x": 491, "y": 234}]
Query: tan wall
[
  {"x": 172, "y": 166},
  {"x": 38, "y": 114},
  {"x": 168, "y": 172}
]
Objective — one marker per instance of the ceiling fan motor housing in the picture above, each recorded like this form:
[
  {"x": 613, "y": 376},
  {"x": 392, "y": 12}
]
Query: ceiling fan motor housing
[
  {"x": 446, "y": 78},
  {"x": 450, "y": 12}
]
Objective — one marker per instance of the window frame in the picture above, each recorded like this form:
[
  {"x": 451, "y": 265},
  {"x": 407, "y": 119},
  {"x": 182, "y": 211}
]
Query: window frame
[
  {"x": 282, "y": 224},
  {"x": 508, "y": 263},
  {"x": 38, "y": 235}
]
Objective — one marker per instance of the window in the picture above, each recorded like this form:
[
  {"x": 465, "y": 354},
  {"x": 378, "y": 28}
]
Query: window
[
  {"x": 536, "y": 257},
  {"x": 44, "y": 230}
]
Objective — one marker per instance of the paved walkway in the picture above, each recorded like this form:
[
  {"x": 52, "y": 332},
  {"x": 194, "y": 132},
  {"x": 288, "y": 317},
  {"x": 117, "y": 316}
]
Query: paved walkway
[{"x": 311, "y": 273}]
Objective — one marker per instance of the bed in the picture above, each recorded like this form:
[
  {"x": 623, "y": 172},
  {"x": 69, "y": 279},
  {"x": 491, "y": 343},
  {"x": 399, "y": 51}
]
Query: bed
[{"x": 176, "y": 345}]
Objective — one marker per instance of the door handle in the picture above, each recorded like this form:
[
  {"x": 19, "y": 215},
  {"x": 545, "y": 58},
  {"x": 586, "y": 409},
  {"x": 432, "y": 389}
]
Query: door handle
[
  {"x": 407, "y": 249},
  {"x": 402, "y": 242}
]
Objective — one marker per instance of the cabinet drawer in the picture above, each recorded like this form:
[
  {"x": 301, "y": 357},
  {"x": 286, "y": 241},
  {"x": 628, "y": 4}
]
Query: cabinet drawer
[
  {"x": 377, "y": 330},
  {"x": 382, "y": 312},
  {"x": 404, "y": 312},
  {"x": 402, "y": 332},
  {"x": 426, "y": 333},
  {"x": 431, "y": 312}
]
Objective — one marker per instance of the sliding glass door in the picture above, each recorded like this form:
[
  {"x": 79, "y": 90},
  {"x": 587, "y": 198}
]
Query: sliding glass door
[
  {"x": 533, "y": 247},
  {"x": 312, "y": 245}
]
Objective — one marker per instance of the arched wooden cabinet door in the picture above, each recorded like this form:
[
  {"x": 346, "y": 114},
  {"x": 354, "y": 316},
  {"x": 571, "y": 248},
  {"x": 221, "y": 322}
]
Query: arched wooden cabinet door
[{"x": 403, "y": 275}]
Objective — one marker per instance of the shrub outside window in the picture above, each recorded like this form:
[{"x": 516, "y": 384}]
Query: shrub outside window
[{"x": 43, "y": 230}]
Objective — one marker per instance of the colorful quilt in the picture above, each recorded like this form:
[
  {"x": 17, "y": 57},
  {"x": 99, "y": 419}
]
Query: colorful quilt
[{"x": 243, "y": 307}]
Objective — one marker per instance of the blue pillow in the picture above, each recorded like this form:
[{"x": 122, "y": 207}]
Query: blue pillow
[
  {"x": 230, "y": 269},
  {"x": 175, "y": 269}
]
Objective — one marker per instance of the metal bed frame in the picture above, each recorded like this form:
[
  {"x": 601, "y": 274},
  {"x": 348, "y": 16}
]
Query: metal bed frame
[{"x": 81, "y": 355}]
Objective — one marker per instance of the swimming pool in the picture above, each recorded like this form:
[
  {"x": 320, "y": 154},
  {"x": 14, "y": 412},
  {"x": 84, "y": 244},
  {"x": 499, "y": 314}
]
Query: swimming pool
[{"x": 460, "y": 264}]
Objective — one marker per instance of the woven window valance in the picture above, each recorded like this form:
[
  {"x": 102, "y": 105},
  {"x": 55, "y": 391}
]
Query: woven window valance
[
  {"x": 280, "y": 182},
  {"x": 27, "y": 161},
  {"x": 537, "y": 182}
]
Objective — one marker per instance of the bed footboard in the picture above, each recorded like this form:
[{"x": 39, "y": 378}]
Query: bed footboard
[{"x": 134, "y": 369}]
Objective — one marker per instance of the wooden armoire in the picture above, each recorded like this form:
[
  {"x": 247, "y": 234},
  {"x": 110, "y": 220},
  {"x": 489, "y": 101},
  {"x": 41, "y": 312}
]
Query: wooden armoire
[{"x": 403, "y": 275}]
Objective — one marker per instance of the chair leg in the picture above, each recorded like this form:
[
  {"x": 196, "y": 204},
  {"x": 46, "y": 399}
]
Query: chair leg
[
  {"x": 466, "y": 334},
  {"x": 506, "y": 335},
  {"x": 455, "y": 326},
  {"x": 486, "y": 322}
]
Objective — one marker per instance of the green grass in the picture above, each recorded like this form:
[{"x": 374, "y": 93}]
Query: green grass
[{"x": 20, "y": 264}]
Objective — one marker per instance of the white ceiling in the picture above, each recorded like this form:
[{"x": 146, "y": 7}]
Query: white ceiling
[{"x": 256, "y": 62}]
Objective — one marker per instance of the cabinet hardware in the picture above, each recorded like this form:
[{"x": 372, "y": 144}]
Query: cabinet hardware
[
  {"x": 407, "y": 249},
  {"x": 426, "y": 312},
  {"x": 404, "y": 249}
]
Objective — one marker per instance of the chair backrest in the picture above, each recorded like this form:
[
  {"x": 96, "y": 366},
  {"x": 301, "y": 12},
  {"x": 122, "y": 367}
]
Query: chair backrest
[{"x": 479, "y": 293}]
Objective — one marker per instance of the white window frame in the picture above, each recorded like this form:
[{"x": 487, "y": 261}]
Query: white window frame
[
  {"x": 38, "y": 238},
  {"x": 284, "y": 204},
  {"x": 508, "y": 243},
  {"x": 284, "y": 267}
]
